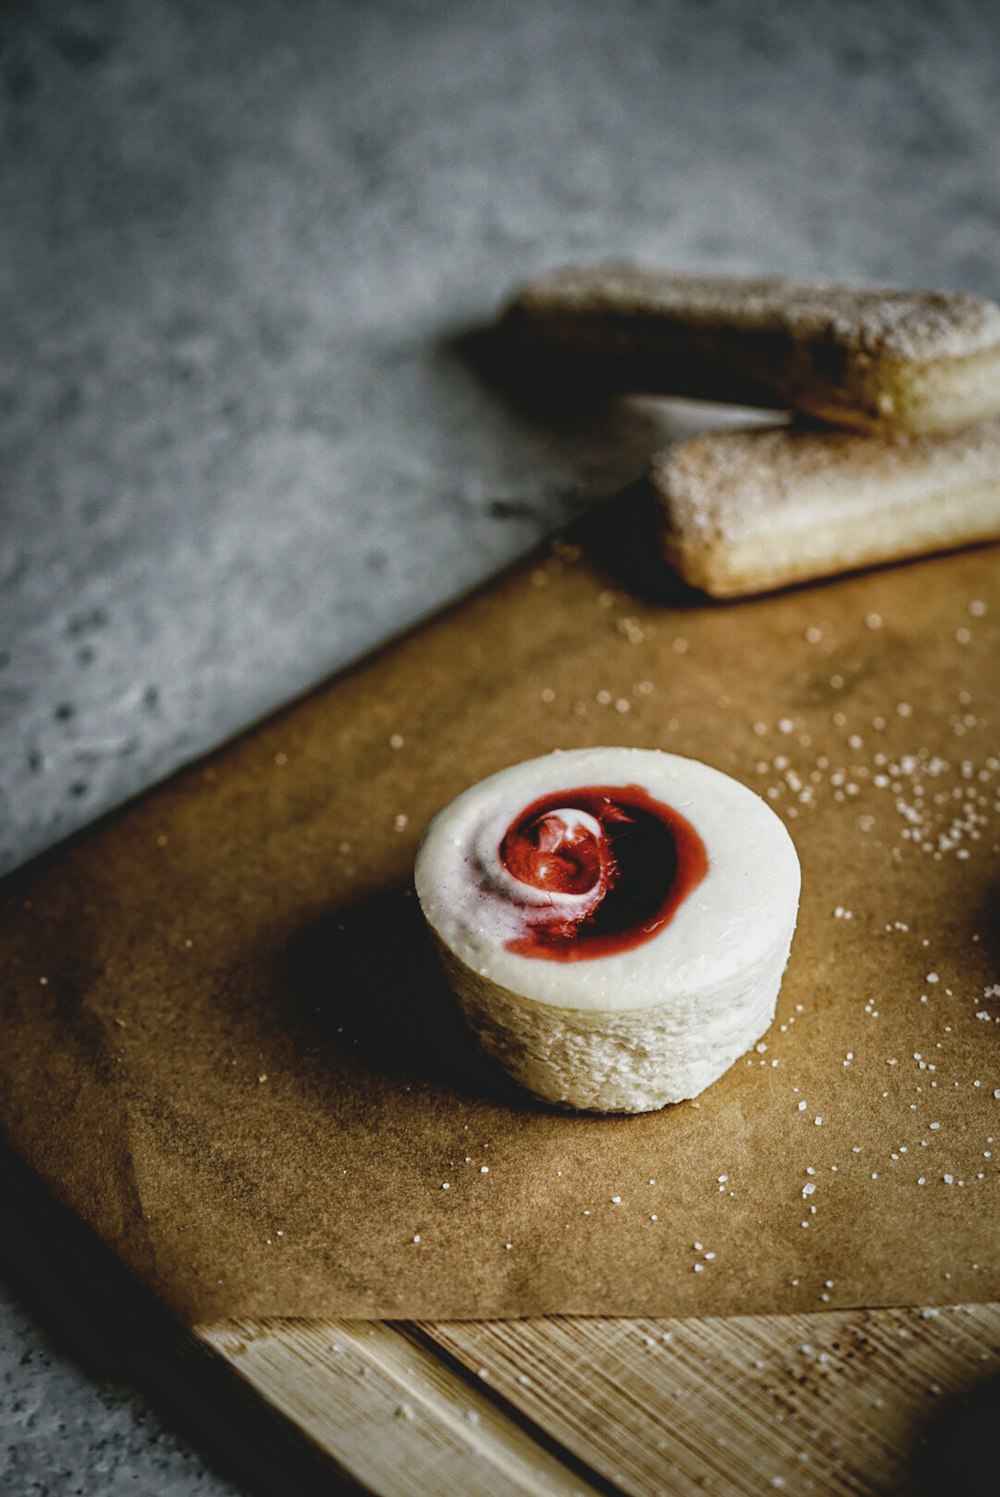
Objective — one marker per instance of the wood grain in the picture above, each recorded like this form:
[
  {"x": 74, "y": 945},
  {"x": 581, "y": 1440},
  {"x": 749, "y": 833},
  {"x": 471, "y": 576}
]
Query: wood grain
[
  {"x": 832, "y": 1404},
  {"x": 391, "y": 1411}
]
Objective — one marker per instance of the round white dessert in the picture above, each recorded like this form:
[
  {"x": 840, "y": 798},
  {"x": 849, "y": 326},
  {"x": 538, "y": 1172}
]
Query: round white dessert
[{"x": 635, "y": 1029}]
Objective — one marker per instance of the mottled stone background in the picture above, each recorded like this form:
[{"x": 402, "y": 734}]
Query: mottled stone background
[{"x": 241, "y": 439}]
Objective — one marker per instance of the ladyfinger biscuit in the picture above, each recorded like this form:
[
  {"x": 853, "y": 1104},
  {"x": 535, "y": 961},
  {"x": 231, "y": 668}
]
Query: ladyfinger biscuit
[
  {"x": 911, "y": 361},
  {"x": 748, "y": 511}
]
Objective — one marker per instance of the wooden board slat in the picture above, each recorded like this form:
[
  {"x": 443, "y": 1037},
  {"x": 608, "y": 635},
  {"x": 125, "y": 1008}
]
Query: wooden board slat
[
  {"x": 391, "y": 1411},
  {"x": 829, "y": 1404}
]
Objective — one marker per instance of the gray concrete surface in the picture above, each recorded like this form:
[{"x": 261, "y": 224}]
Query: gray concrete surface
[
  {"x": 62, "y": 1433},
  {"x": 239, "y": 443}
]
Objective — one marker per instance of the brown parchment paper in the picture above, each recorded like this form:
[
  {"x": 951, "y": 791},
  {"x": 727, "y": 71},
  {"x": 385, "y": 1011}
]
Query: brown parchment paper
[{"x": 226, "y": 1046}]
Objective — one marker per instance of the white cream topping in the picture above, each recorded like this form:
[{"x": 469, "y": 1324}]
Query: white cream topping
[{"x": 743, "y": 910}]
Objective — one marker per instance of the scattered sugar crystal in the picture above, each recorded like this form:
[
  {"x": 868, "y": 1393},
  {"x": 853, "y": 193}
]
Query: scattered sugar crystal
[{"x": 631, "y": 629}]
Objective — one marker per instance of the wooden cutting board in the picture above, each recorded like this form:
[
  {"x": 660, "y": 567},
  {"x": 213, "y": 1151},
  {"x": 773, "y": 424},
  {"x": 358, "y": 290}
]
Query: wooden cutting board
[{"x": 815, "y": 1401}]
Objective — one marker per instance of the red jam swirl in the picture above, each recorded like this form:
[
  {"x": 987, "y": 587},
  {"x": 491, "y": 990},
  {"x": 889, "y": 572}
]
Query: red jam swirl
[{"x": 627, "y": 861}]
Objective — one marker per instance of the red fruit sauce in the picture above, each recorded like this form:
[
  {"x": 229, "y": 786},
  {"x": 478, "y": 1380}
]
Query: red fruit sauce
[{"x": 639, "y": 867}]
